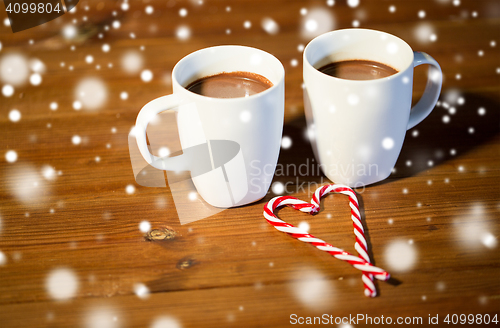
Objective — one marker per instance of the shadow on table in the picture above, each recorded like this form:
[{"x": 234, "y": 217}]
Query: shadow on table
[{"x": 433, "y": 141}]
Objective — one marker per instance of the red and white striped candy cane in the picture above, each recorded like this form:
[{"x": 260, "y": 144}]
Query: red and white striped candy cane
[{"x": 361, "y": 262}]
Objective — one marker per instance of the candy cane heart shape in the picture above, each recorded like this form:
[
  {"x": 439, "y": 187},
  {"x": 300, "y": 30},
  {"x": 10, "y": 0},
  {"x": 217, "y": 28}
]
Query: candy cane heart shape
[
  {"x": 361, "y": 262},
  {"x": 360, "y": 245}
]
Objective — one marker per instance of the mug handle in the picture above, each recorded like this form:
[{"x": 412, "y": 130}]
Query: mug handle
[
  {"x": 431, "y": 94},
  {"x": 146, "y": 114}
]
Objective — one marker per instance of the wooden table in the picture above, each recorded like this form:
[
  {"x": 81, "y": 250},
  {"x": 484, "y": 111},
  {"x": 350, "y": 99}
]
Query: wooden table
[{"x": 72, "y": 252}]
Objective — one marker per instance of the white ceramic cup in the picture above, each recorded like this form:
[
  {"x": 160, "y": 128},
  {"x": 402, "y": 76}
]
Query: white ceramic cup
[
  {"x": 251, "y": 127},
  {"x": 357, "y": 128}
]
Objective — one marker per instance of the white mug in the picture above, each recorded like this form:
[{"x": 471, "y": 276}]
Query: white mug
[
  {"x": 230, "y": 145},
  {"x": 357, "y": 128}
]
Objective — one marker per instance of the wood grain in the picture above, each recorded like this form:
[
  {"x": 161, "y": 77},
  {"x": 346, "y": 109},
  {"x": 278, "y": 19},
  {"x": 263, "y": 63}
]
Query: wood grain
[{"x": 233, "y": 269}]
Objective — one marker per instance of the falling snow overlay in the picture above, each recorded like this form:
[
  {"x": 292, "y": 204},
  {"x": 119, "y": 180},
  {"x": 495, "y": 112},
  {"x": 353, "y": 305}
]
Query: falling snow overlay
[
  {"x": 165, "y": 322},
  {"x": 61, "y": 284},
  {"x": 91, "y": 93},
  {"x": 141, "y": 291},
  {"x": 400, "y": 255},
  {"x": 132, "y": 61},
  {"x": 316, "y": 21},
  {"x": 102, "y": 316},
  {"x": 76, "y": 216},
  {"x": 312, "y": 289}
]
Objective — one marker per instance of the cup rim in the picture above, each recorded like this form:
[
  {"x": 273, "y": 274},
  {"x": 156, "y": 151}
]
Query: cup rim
[
  {"x": 379, "y": 80},
  {"x": 207, "y": 98}
]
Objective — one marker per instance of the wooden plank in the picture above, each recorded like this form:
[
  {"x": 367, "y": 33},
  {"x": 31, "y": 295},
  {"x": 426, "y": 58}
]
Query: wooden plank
[{"x": 234, "y": 269}]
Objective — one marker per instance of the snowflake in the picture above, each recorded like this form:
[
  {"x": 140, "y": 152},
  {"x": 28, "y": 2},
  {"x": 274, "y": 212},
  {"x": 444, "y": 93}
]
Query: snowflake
[
  {"x": 69, "y": 31},
  {"x": 163, "y": 152},
  {"x": 166, "y": 322},
  {"x": 312, "y": 289},
  {"x": 278, "y": 188},
  {"x": 130, "y": 189},
  {"x": 192, "y": 196},
  {"x": 388, "y": 143},
  {"x": 352, "y": 3},
  {"x": 14, "y": 69},
  {"x": 7, "y": 90},
  {"x": 146, "y": 75},
  {"x": 76, "y": 140},
  {"x": 91, "y": 93},
  {"x": 3, "y": 258},
  {"x": 132, "y": 62},
  {"x": 400, "y": 255},
  {"x": 424, "y": 32},
  {"x": 141, "y": 290},
  {"x": 48, "y": 172},
  {"x": 183, "y": 32},
  {"x": 317, "y": 21},
  {"x": 245, "y": 116},
  {"x": 61, "y": 284},
  {"x": 269, "y": 25},
  {"x": 102, "y": 317},
  {"x": 286, "y": 142},
  {"x": 304, "y": 226},
  {"x": 11, "y": 156},
  {"x": 14, "y": 115},
  {"x": 144, "y": 226}
]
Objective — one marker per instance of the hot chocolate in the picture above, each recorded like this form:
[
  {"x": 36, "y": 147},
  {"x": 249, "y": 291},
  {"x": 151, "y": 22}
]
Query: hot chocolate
[
  {"x": 230, "y": 85},
  {"x": 358, "y": 70}
]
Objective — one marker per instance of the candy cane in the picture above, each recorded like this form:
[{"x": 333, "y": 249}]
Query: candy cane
[
  {"x": 360, "y": 245},
  {"x": 361, "y": 262}
]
